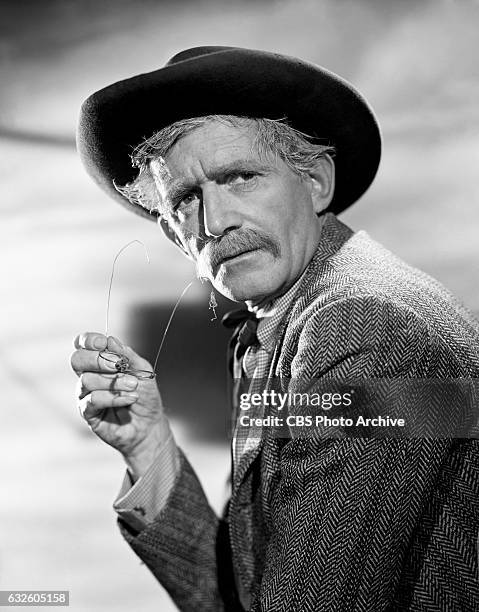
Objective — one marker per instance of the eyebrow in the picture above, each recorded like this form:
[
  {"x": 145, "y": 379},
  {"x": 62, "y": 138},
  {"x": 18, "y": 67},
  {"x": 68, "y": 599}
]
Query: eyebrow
[{"x": 181, "y": 188}]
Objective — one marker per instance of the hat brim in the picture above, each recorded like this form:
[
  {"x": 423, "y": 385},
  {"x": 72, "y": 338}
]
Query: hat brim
[{"x": 114, "y": 120}]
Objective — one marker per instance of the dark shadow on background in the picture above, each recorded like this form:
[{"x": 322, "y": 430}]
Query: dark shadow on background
[{"x": 191, "y": 370}]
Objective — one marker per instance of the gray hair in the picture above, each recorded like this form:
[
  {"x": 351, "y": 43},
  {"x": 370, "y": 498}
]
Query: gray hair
[{"x": 273, "y": 136}]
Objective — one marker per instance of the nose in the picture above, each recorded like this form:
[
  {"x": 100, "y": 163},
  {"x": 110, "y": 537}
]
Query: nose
[{"x": 220, "y": 211}]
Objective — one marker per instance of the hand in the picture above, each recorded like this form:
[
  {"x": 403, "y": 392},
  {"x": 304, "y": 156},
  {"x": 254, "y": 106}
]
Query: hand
[{"x": 122, "y": 410}]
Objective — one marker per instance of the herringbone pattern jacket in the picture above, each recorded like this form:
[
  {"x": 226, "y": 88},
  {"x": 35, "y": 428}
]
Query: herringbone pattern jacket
[{"x": 352, "y": 524}]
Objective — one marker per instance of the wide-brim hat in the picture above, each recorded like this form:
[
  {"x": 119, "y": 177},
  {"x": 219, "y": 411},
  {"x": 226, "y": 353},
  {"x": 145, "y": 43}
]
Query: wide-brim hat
[{"x": 232, "y": 81}]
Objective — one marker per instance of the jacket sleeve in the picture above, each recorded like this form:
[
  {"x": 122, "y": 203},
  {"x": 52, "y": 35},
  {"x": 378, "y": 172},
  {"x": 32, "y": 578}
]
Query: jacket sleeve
[
  {"x": 187, "y": 548},
  {"x": 365, "y": 524}
]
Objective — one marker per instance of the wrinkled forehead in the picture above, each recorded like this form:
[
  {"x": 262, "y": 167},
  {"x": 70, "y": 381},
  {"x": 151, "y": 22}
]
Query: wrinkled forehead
[{"x": 204, "y": 150}]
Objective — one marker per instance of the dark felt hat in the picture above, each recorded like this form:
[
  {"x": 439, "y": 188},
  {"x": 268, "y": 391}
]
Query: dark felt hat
[{"x": 233, "y": 81}]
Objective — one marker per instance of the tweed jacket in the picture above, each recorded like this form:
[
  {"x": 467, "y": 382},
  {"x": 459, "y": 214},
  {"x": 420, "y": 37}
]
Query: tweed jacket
[{"x": 340, "y": 524}]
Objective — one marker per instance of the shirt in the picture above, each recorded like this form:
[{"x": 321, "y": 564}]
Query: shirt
[{"x": 255, "y": 364}]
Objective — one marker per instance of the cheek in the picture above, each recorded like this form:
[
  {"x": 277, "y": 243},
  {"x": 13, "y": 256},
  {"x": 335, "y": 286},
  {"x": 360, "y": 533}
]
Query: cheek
[
  {"x": 290, "y": 212},
  {"x": 183, "y": 239}
]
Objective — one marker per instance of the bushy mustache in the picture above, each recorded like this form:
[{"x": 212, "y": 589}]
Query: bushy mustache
[{"x": 216, "y": 250}]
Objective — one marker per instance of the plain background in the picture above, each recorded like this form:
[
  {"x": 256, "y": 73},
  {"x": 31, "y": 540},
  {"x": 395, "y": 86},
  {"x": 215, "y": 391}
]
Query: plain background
[{"x": 416, "y": 62}]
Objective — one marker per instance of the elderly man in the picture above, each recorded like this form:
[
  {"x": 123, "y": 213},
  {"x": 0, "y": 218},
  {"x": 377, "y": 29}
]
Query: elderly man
[{"x": 320, "y": 521}]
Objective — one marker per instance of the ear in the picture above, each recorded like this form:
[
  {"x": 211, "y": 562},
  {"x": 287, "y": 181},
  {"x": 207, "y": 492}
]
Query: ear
[{"x": 322, "y": 178}]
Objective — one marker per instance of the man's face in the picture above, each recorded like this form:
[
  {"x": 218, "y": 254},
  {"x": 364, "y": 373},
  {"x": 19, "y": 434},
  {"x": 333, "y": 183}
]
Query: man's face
[{"x": 247, "y": 220}]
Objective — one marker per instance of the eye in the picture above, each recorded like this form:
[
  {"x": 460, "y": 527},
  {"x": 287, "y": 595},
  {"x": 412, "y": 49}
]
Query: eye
[
  {"x": 189, "y": 198},
  {"x": 241, "y": 178},
  {"x": 186, "y": 202}
]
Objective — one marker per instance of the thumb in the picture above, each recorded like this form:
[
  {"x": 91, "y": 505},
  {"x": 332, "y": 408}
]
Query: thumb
[{"x": 136, "y": 362}]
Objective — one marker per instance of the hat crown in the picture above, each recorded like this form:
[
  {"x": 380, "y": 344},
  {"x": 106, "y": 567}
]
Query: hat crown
[{"x": 195, "y": 52}]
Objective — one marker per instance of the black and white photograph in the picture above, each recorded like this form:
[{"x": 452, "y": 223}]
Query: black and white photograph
[{"x": 240, "y": 309}]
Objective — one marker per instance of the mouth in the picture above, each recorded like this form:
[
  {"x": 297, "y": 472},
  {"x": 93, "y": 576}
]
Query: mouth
[{"x": 234, "y": 257}]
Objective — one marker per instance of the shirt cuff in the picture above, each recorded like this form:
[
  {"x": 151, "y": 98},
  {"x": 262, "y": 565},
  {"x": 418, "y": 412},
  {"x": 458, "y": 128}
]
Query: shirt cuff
[{"x": 140, "y": 503}]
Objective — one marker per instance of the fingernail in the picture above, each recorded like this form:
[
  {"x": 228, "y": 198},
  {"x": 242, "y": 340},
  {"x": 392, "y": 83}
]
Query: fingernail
[
  {"x": 129, "y": 395},
  {"x": 130, "y": 382},
  {"x": 99, "y": 343},
  {"x": 125, "y": 399}
]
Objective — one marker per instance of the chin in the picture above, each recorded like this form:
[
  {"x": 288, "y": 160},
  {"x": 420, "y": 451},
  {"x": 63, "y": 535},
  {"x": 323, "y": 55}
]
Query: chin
[{"x": 254, "y": 287}]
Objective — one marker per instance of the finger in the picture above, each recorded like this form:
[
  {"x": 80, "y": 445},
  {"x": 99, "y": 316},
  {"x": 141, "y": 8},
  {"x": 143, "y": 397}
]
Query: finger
[
  {"x": 91, "y": 341},
  {"x": 84, "y": 360},
  {"x": 115, "y": 345},
  {"x": 136, "y": 362},
  {"x": 90, "y": 381},
  {"x": 93, "y": 404}
]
